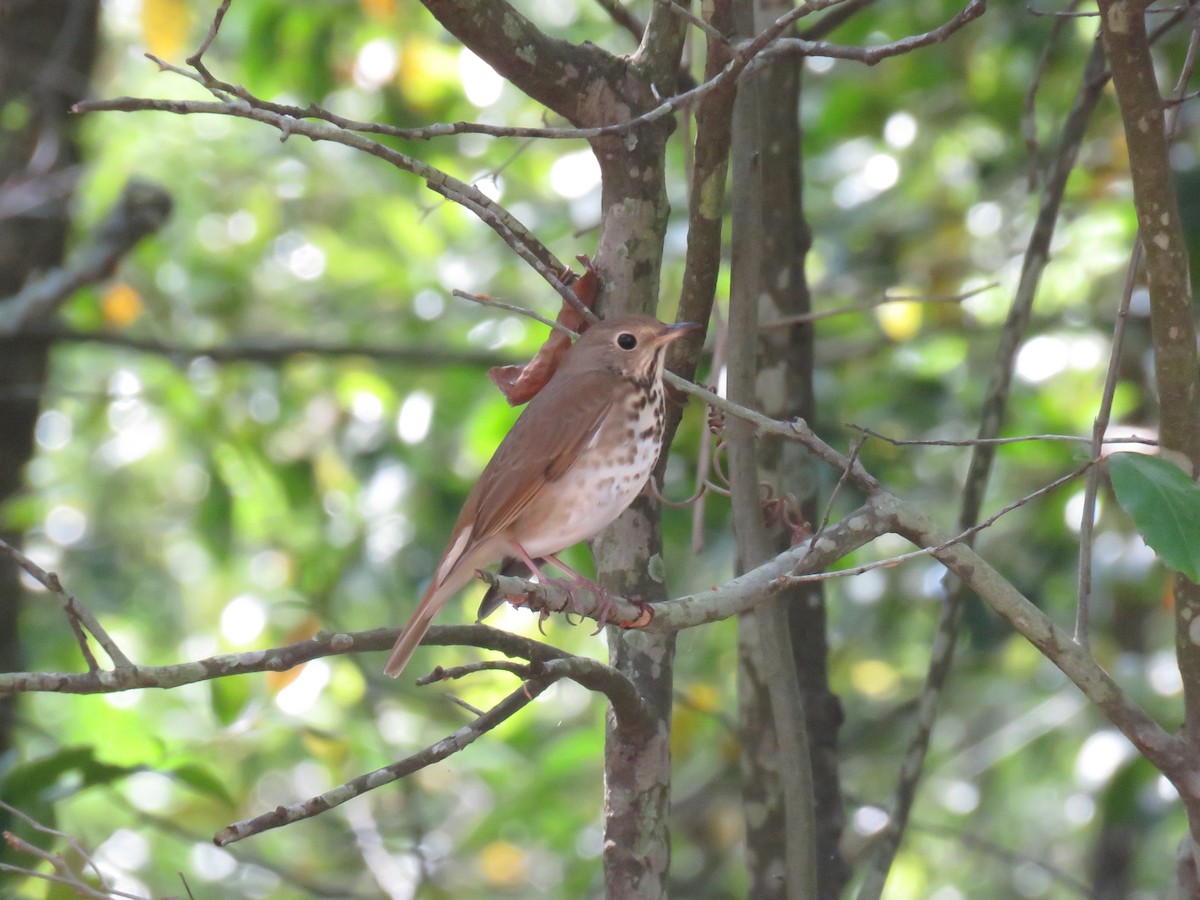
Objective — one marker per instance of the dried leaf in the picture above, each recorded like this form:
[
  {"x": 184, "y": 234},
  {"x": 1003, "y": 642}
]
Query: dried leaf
[{"x": 519, "y": 384}]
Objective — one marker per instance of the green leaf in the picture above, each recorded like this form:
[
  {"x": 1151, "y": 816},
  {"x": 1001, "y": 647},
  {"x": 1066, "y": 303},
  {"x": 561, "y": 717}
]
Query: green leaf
[
  {"x": 229, "y": 697},
  {"x": 1165, "y": 506},
  {"x": 201, "y": 780},
  {"x": 63, "y": 772}
]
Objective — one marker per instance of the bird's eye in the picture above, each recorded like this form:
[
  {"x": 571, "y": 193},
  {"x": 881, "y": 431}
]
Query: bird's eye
[{"x": 626, "y": 341}]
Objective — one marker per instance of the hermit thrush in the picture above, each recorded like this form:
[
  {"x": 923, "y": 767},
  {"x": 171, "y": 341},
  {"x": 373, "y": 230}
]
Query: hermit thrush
[{"x": 574, "y": 460}]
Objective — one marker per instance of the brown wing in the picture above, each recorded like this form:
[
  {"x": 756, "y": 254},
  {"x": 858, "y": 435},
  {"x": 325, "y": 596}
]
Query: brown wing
[{"x": 542, "y": 445}]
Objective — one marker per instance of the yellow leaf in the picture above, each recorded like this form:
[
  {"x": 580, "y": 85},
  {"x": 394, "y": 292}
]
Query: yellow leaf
[
  {"x": 121, "y": 304},
  {"x": 503, "y": 864},
  {"x": 377, "y": 9},
  {"x": 165, "y": 25},
  {"x": 874, "y": 677},
  {"x": 899, "y": 320},
  {"x": 277, "y": 681}
]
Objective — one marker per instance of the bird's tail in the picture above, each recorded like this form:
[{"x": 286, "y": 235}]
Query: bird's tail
[
  {"x": 453, "y": 574},
  {"x": 418, "y": 625}
]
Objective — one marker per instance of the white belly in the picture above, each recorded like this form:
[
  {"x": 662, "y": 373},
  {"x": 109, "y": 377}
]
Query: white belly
[{"x": 592, "y": 493}]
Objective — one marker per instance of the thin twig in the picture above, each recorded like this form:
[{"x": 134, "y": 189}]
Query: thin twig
[
  {"x": 623, "y": 17},
  {"x": 691, "y": 18},
  {"x": 468, "y": 734},
  {"x": 196, "y": 59},
  {"x": 75, "y": 610},
  {"x": 142, "y": 209},
  {"x": 277, "y": 350},
  {"x": 1029, "y": 111},
  {"x": 61, "y": 835},
  {"x": 869, "y": 305},
  {"x": 765, "y": 45},
  {"x": 1099, "y": 426},
  {"x": 997, "y": 442},
  {"x": 484, "y": 300},
  {"x": 1104, "y": 414},
  {"x": 959, "y": 538},
  {"x": 837, "y": 488}
]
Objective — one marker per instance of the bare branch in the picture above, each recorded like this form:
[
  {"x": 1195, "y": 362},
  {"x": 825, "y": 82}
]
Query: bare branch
[
  {"x": 623, "y": 17},
  {"x": 288, "y": 124},
  {"x": 869, "y": 305},
  {"x": 285, "y": 815},
  {"x": 999, "y": 442},
  {"x": 873, "y": 55},
  {"x": 274, "y": 659},
  {"x": 272, "y": 351},
  {"x": 141, "y": 210},
  {"x": 196, "y": 59},
  {"x": 76, "y": 612},
  {"x": 1103, "y": 415}
]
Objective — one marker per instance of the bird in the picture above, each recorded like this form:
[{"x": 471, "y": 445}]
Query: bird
[{"x": 577, "y": 456}]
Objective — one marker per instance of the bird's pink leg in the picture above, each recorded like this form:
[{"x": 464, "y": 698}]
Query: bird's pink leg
[{"x": 604, "y": 608}]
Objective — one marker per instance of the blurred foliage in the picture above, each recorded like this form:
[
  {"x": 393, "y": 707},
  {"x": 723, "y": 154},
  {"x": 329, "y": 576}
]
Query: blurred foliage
[{"x": 201, "y": 507}]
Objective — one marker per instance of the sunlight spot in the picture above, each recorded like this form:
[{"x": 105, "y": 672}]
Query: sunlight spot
[
  {"x": 270, "y": 569},
  {"x": 428, "y": 304},
  {"x": 66, "y": 525},
  {"x": 53, "y": 430},
  {"x": 385, "y": 490},
  {"x": 479, "y": 80},
  {"x": 984, "y": 219},
  {"x": 1041, "y": 358},
  {"x": 299, "y": 696},
  {"x": 575, "y": 174},
  {"x": 148, "y": 791},
  {"x": 242, "y": 226},
  {"x": 490, "y": 185},
  {"x": 1079, "y": 809},
  {"x": 375, "y": 64},
  {"x": 304, "y": 259},
  {"x": 387, "y": 535},
  {"x": 900, "y": 130},
  {"x": 366, "y": 407},
  {"x": 960, "y": 797},
  {"x": 125, "y": 849},
  {"x": 868, "y": 820},
  {"x": 123, "y": 383},
  {"x": 186, "y": 560},
  {"x": 1162, "y": 672},
  {"x": 1073, "y": 512},
  {"x": 881, "y": 172},
  {"x": 867, "y": 588},
  {"x": 123, "y": 699},
  {"x": 211, "y": 863},
  {"x": 291, "y": 177},
  {"x": 416, "y": 414},
  {"x": 1100, "y": 756},
  {"x": 138, "y": 434},
  {"x": 243, "y": 619}
]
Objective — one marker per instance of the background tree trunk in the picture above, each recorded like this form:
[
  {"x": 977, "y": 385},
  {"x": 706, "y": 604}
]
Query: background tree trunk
[{"x": 46, "y": 54}]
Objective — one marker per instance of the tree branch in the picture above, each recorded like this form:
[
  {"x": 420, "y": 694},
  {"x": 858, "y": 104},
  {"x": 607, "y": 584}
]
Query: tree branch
[
  {"x": 272, "y": 351},
  {"x": 141, "y": 210},
  {"x": 295, "y": 812}
]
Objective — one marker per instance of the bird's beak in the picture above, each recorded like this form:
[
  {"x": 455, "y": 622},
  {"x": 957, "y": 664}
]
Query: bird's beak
[{"x": 676, "y": 331}]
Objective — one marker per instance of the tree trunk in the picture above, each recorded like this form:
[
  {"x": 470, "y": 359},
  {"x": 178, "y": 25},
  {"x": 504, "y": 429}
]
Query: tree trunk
[{"x": 46, "y": 52}]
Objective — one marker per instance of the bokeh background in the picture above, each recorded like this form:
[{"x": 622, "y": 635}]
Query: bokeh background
[{"x": 200, "y": 505}]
